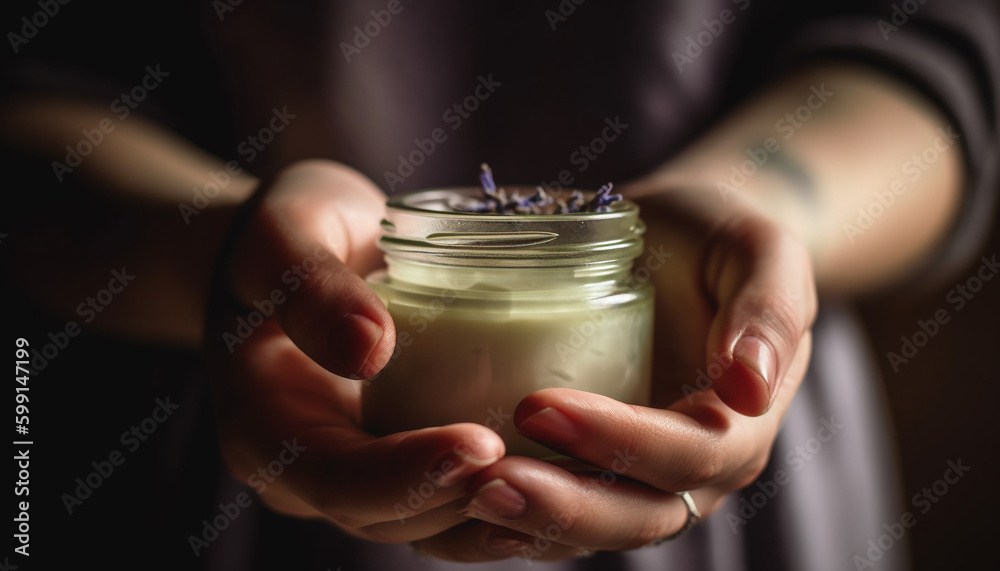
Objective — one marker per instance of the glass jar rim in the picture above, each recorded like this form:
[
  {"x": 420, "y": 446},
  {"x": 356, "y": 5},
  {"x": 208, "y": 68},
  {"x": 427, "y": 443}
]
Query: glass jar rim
[{"x": 424, "y": 226}]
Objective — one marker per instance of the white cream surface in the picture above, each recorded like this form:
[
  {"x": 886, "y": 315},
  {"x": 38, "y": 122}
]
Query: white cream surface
[{"x": 465, "y": 360}]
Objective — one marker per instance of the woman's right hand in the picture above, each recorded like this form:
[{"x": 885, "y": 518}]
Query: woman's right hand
[{"x": 281, "y": 387}]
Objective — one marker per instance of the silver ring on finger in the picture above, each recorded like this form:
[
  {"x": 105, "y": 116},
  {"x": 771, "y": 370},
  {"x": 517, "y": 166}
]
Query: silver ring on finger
[{"x": 694, "y": 516}]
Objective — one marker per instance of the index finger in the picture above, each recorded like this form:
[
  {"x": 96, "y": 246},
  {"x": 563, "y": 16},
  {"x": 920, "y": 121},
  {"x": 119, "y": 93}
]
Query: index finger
[{"x": 693, "y": 445}]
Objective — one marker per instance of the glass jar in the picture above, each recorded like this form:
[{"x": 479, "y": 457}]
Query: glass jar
[{"x": 489, "y": 308}]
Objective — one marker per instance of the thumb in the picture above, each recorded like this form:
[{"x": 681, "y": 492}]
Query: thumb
[
  {"x": 299, "y": 259},
  {"x": 761, "y": 279}
]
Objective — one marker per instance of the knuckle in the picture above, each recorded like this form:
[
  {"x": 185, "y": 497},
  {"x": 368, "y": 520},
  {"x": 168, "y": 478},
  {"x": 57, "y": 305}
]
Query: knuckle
[
  {"x": 633, "y": 439},
  {"x": 571, "y": 515},
  {"x": 802, "y": 299},
  {"x": 706, "y": 470},
  {"x": 787, "y": 311},
  {"x": 782, "y": 317}
]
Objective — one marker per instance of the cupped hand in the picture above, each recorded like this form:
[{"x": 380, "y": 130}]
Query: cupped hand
[
  {"x": 734, "y": 307},
  {"x": 302, "y": 325}
]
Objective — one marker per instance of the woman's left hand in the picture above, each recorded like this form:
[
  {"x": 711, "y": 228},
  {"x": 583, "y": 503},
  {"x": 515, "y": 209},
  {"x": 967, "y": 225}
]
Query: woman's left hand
[{"x": 735, "y": 303}]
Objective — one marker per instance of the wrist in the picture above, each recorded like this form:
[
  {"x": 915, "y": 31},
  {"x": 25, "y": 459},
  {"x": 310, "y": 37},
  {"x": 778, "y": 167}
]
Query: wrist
[{"x": 779, "y": 190}]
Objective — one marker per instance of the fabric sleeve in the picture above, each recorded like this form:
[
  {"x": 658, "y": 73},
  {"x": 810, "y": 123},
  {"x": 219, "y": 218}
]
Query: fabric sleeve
[{"x": 950, "y": 51}]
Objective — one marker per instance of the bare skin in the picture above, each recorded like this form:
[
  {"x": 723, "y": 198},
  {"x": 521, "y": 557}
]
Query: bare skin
[{"x": 742, "y": 283}]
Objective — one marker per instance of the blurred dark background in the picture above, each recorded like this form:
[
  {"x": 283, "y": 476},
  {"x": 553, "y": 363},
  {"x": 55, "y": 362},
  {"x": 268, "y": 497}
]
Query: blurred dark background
[{"x": 944, "y": 404}]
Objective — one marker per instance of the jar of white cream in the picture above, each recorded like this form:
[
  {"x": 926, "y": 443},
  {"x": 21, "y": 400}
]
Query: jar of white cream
[{"x": 489, "y": 308}]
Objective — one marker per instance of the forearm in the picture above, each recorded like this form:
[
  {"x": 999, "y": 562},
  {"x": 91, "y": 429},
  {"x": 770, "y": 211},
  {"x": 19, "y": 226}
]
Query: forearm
[
  {"x": 144, "y": 174},
  {"x": 813, "y": 150}
]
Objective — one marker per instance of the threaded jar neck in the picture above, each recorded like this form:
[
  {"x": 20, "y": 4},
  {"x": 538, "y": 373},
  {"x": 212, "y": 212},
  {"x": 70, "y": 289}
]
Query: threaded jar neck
[{"x": 422, "y": 232}]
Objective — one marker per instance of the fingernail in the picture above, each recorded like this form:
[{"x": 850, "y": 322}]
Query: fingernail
[
  {"x": 474, "y": 460},
  {"x": 353, "y": 341},
  {"x": 756, "y": 354},
  {"x": 496, "y": 500},
  {"x": 477, "y": 449},
  {"x": 549, "y": 426},
  {"x": 461, "y": 466},
  {"x": 504, "y": 545}
]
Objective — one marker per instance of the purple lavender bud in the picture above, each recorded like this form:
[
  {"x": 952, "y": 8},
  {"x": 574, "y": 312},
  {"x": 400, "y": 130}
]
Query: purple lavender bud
[
  {"x": 496, "y": 200},
  {"x": 603, "y": 199},
  {"x": 523, "y": 202},
  {"x": 575, "y": 202},
  {"x": 608, "y": 199},
  {"x": 541, "y": 198},
  {"x": 486, "y": 179}
]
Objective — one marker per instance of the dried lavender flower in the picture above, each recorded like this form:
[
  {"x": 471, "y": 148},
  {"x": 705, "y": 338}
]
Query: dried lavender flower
[
  {"x": 486, "y": 180},
  {"x": 603, "y": 199},
  {"x": 496, "y": 201}
]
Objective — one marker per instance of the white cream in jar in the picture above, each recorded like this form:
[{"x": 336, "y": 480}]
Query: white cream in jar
[{"x": 489, "y": 308}]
